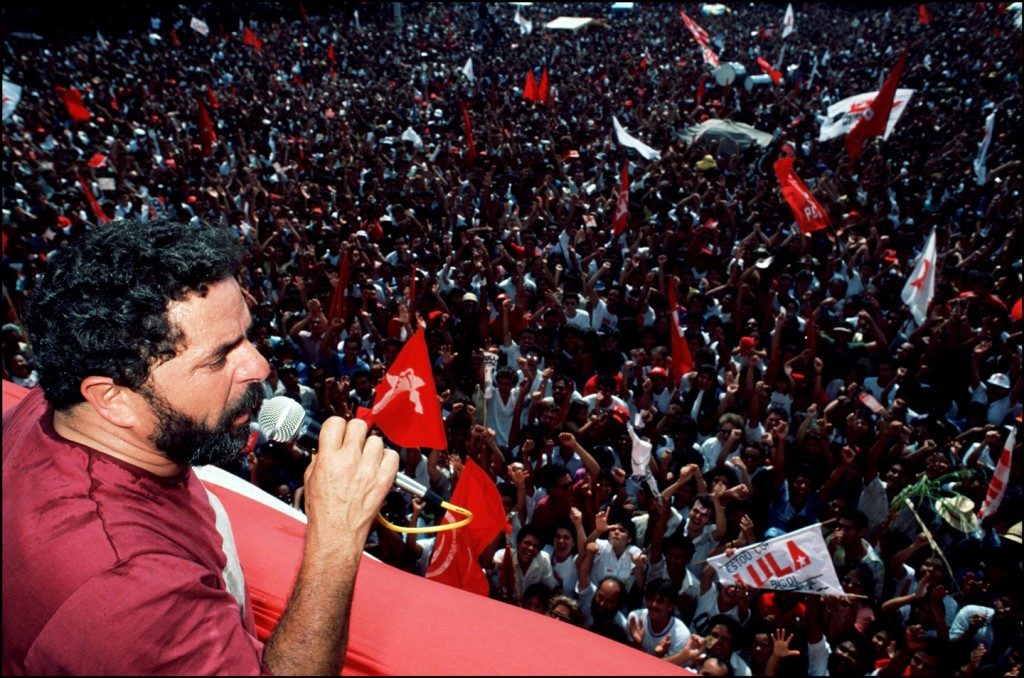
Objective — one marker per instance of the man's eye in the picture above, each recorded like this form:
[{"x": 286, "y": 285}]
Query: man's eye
[{"x": 218, "y": 363}]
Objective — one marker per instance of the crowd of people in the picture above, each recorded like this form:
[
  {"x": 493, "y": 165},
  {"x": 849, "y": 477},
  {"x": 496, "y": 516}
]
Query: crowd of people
[{"x": 342, "y": 151}]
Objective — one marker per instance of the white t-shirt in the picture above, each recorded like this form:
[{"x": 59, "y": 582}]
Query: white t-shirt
[
  {"x": 607, "y": 564},
  {"x": 675, "y": 628}
]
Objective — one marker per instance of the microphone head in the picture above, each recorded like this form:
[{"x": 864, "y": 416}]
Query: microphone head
[{"x": 281, "y": 418}]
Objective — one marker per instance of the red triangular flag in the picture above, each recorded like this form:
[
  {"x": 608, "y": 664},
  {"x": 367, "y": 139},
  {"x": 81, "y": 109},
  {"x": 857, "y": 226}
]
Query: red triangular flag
[
  {"x": 682, "y": 361},
  {"x": 454, "y": 561},
  {"x": 406, "y": 407},
  {"x": 922, "y": 14},
  {"x": 530, "y": 89},
  {"x": 337, "y": 307},
  {"x": 207, "y": 137},
  {"x": 470, "y": 144},
  {"x": 72, "y": 99},
  {"x": 544, "y": 88},
  {"x": 249, "y": 38},
  {"x": 94, "y": 204},
  {"x": 622, "y": 205},
  {"x": 211, "y": 97},
  {"x": 876, "y": 117},
  {"x": 808, "y": 211}
]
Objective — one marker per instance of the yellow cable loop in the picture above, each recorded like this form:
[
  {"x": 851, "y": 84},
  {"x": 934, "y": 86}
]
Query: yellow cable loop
[{"x": 443, "y": 527}]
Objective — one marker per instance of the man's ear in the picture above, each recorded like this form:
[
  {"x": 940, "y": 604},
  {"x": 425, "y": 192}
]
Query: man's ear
[{"x": 115, "y": 404}]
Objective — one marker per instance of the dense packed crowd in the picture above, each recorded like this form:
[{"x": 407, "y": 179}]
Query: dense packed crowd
[{"x": 550, "y": 338}]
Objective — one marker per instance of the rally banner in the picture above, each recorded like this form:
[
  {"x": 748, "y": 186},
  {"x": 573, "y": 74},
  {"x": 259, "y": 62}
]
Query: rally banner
[
  {"x": 199, "y": 26},
  {"x": 843, "y": 115},
  {"x": 12, "y": 95},
  {"x": 796, "y": 561},
  {"x": 629, "y": 141}
]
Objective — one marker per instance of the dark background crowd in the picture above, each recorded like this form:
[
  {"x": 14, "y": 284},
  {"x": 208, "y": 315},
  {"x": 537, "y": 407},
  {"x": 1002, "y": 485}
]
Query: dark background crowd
[{"x": 343, "y": 138}]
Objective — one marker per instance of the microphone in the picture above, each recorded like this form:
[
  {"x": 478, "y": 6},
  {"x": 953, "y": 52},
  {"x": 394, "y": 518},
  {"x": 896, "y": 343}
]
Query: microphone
[{"x": 283, "y": 420}]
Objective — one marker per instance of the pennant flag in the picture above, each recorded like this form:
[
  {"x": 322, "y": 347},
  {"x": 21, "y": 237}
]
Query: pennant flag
[
  {"x": 530, "y": 89},
  {"x": 788, "y": 21},
  {"x": 454, "y": 560},
  {"x": 94, "y": 204},
  {"x": 920, "y": 286},
  {"x": 406, "y": 407},
  {"x": 767, "y": 69},
  {"x": 72, "y": 99},
  {"x": 544, "y": 88},
  {"x": 796, "y": 561},
  {"x": 467, "y": 70},
  {"x": 525, "y": 25},
  {"x": 211, "y": 98},
  {"x": 470, "y": 144},
  {"x": 980, "y": 172},
  {"x": 249, "y": 38},
  {"x": 207, "y": 137},
  {"x": 337, "y": 307},
  {"x": 12, "y": 95},
  {"x": 410, "y": 135},
  {"x": 876, "y": 117},
  {"x": 843, "y": 115},
  {"x": 1001, "y": 477},
  {"x": 625, "y": 139},
  {"x": 174, "y": 39},
  {"x": 922, "y": 14},
  {"x": 682, "y": 361},
  {"x": 199, "y": 26},
  {"x": 808, "y": 211},
  {"x": 622, "y": 206}
]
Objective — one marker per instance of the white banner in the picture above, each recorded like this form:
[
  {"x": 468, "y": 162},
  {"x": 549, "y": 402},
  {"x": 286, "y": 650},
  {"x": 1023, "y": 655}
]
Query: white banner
[
  {"x": 843, "y": 115},
  {"x": 797, "y": 561},
  {"x": 625, "y": 139},
  {"x": 787, "y": 21},
  {"x": 199, "y": 26},
  {"x": 980, "y": 172},
  {"x": 920, "y": 286},
  {"x": 12, "y": 95}
]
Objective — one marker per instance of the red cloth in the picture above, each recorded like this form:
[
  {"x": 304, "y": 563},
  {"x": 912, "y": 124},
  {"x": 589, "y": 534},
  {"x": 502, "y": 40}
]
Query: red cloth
[
  {"x": 530, "y": 89},
  {"x": 207, "y": 137},
  {"x": 1017, "y": 312},
  {"x": 72, "y": 99},
  {"x": 337, "y": 307},
  {"x": 211, "y": 97},
  {"x": 406, "y": 407},
  {"x": 767, "y": 68},
  {"x": 682, "y": 361},
  {"x": 330, "y": 55},
  {"x": 94, "y": 204},
  {"x": 454, "y": 561},
  {"x": 97, "y": 160},
  {"x": 249, "y": 38},
  {"x": 544, "y": 88},
  {"x": 876, "y": 117},
  {"x": 809, "y": 213},
  {"x": 622, "y": 205},
  {"x": 922, "y": 14}
]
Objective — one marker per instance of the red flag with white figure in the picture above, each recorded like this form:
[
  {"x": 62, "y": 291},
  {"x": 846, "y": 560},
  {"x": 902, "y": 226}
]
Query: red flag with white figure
[
  {"x": 406, "y": 407},
  {"x": 622, "y": 206},
  {"x": 876, "y": 117},
  {"x": 809, "y": 213},
  {"x": 249, "y": 38},
  {"x": 920, "y": 287},
  {"x": 1001, "y": 477},
  {"x": 94, "y": 204},
  {"x": 470, "y": 143},
  {"x": 682, "y": 361},
  {"x": 544, "y": 88},
  {"x": 207, "y": 137},
  {"x": 530, "y": 88},
  {"x": 455, "y": 558}
]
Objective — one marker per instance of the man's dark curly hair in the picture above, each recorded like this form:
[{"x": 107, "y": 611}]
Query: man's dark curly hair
[{"x": 101, "y": 308}]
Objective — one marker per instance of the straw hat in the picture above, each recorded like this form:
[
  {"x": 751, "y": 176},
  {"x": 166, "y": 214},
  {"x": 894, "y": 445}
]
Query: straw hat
[{"x": 958, "y": 512}]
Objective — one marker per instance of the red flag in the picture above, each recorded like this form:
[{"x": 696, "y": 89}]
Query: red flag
[
  {"x": 174, "y": 39},
  {"x": 211, "y": 97},
  {"x": 530, "y": 89},
  {"x": 406, "y": 407},
  {"x": 767, "y": 68},
  {"x": 1016, "y": 313},
  {"x": 249, "y": 38},
  {"x": 700, "y": 91},
  {"x": 622, "y": 206},
  {"x": 470, "y": 144},
  {"x": 302, "y": 13},
  {"x": 72, "y": 99},
  {"x": 97, "y": 160},
  {"x": 94, "y": 204},
  {"x": 337, "y": 307},
  {"x": 1001, "y": 477},
  {"x": 330, "y": 55},
  {"x": 544, "y": 88},
  {"x": 808, "y": 211},
  {"x": 698, "y": 33},
  {"x": 682, "y": 362},
  {"x": 876, "y": 117},
  {"x": 207, "y": 137},
  {"x": 922, "y": 14},
  {"x": 454, "y": 561}
]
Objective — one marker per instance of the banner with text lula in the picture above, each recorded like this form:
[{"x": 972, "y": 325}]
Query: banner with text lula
[{"x": 796, "y": 561}]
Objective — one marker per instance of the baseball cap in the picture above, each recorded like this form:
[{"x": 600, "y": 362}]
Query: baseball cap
[
  {"x": 469, "y": 296},
  {"x": 999, "y": 379},
  {"x": 1014, "y": 533}
]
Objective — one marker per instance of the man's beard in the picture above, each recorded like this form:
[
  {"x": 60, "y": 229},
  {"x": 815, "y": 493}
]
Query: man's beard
[{"x": 191, "y": 443}]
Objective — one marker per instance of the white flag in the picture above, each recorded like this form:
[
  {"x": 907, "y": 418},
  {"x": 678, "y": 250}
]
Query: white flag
[
  {"x": 625, "y": 139},
  {"x": 787, "y": 21},
  {"x": 199, "y": 26},
  {"x": 467, "y": 70},
  {"x": 100, "y": 41},
  {"x": 843, "y": 115},
  {"x": 920, "y": 287},
  {"x": 979, "y": 162},
  {"x": 1001, "y": 478},
  {"x": 525, "y": 25},
  {"x": 410, "y": 135},
  {"x": 796, "y": 561},
  {"x": 355, "y": 15},
  {"x": 12, "y": 95}
]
